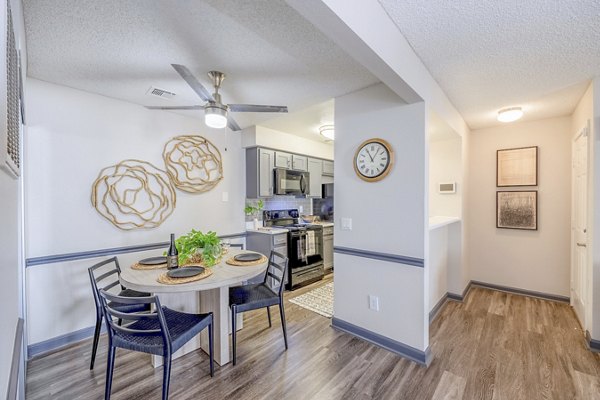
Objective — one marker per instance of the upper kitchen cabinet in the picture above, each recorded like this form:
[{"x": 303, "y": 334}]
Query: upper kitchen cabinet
[
  {"x": 259, "y": 172},
  {"x": 315, "y": 170},
  {"x": 283, "y": 160},
  {"x": 328, "y": 168},
  {"x": 299, "y": 163}
]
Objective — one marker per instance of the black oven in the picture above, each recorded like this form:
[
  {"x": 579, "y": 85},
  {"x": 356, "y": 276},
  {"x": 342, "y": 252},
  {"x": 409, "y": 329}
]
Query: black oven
[
  {"x": 305, "y": 247},
  {"x": 305, "y": 253}
]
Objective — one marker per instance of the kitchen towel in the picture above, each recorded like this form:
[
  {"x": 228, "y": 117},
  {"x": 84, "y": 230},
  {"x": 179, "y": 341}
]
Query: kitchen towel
[{"x": 311, "y": 247}]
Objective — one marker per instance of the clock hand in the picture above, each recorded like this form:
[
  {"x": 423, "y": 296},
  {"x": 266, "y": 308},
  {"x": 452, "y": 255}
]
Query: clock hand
[{"x": 370, "y": 156}]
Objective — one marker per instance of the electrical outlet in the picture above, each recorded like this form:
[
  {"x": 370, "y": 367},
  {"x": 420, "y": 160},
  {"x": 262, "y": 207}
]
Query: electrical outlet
[
  {"x": 346, "y": 224},
  {"x": 300, "y": 209},
  {"x": 373, "y": 303}
]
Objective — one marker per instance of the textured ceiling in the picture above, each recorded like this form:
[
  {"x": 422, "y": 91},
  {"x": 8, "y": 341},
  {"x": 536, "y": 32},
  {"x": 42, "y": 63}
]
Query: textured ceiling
[
  {"x": 117, "y": 48},
  {"x": 306, "y": 122},
  {"x": 488, "y": 54}
]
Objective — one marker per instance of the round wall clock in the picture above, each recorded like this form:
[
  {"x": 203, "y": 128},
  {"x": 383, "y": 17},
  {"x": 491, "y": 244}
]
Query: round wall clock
[{"x": 373, "y": 160}]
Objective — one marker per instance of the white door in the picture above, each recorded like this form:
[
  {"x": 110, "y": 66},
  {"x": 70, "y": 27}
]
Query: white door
[{"x": 579, "y": 268}]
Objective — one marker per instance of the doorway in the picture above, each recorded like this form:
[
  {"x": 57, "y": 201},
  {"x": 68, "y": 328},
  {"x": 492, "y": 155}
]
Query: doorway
[{"x": 579, "y": 267}]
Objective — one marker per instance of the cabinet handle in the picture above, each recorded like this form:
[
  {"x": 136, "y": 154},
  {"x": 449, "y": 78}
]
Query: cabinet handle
[{"x": 581, "y": 244}]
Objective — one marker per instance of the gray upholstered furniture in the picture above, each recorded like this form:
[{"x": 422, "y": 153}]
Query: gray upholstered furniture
[{"x": 260, "y": 295}]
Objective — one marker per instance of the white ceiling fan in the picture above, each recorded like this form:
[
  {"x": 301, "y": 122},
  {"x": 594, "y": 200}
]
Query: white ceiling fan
[{"x": 216, "y": 113}]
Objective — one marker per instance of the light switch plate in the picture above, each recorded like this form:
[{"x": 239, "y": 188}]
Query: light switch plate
[
  {"x": 346, "y": 224},
  {"x": 373, "y": 303},
  {"x": 225, "y": 196}
]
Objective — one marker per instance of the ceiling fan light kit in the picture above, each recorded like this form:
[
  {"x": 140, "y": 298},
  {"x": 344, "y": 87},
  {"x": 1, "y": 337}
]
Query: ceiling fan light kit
[
  {"x": 215, "y": 116},
  {"x": 510, "y": 114},
  {"x": 216, "y": 113}
]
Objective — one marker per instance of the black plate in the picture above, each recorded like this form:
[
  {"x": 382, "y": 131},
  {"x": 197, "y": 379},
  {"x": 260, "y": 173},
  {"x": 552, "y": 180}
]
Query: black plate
[
  {"x": 185, "y": 272},
  {"x": 153, "y": 261},
  {"x": 247, "y": 257}
]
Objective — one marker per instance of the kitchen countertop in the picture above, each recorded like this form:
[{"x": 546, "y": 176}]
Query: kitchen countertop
[{"x": 268, "y": 231}]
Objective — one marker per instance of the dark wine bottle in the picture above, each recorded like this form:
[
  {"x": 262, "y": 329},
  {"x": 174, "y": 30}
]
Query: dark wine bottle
[{"x": 172, "y": 254}]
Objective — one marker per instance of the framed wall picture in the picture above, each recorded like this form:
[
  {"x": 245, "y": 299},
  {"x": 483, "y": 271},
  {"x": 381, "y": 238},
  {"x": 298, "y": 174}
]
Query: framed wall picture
[
  {"x": 516, "y": 210},
  {"x": 516, "y": 167}
]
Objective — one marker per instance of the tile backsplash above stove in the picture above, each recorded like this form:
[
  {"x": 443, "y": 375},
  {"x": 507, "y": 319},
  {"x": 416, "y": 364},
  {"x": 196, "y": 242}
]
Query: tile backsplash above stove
[{"x": 303, "y": 205}]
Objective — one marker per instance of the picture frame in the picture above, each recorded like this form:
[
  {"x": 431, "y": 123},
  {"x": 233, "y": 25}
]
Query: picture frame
[
  {"x": 517, "y": 167},
  {"x": 517, "y": 209}
]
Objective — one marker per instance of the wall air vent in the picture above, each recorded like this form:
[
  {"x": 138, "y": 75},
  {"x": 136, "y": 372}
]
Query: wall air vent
[{"x": 165, "y": 94}]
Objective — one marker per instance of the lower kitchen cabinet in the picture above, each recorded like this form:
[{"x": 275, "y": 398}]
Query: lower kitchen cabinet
[{"x": 264, "y": 242}]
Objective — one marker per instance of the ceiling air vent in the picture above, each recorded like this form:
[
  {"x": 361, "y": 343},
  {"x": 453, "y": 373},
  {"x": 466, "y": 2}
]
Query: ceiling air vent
[{"x": 165, "y": 94}]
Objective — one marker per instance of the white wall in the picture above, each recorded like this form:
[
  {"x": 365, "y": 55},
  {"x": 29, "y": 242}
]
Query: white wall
[
  {"x": 533, "y": 260},
  {"x": 445, "y": 165},
  {"x": 271, "y": 138},
  {"x": 72, "y": 136},
  {"x": 387, "y": 216}
]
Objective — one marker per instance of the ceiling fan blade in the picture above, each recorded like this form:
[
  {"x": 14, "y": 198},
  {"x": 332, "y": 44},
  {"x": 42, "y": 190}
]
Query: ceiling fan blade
[
  {"x": 193, "y": 82},
  {"x": 175, "y": 107},
  {"x": 256, "y": 108},
  {"x": 232, "y": 124}
]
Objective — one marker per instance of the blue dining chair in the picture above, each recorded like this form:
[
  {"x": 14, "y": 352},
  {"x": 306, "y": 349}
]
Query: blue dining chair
[
  {"x": 107, "y": 280},
  {"x": 260, "y": 295},
  {"x": 161, "y": 332}
]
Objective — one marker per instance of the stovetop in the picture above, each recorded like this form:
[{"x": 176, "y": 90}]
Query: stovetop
[{"x": 287, "y": 219}]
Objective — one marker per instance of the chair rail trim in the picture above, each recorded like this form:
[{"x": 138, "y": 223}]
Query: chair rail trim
[{"x": 82, "y": 255}]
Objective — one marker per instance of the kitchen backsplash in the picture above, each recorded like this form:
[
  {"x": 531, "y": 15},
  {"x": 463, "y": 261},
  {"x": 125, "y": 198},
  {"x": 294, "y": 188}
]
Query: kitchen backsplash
[{"x": 304, "y": 205}]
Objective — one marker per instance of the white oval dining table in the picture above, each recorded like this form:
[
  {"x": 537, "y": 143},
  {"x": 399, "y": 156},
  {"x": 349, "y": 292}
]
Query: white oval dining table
[{"x": 208, "y": 294}]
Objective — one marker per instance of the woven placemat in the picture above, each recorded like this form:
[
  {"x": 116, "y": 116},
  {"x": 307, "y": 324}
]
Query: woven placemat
[
  {"x": 232, "y": 261},
  {"x": 137, "y": 265},
  {"x": 167, "y": 280}
]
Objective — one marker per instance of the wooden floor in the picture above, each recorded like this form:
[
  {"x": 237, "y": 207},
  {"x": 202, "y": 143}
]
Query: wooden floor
[{"x": 493, "y": 346}]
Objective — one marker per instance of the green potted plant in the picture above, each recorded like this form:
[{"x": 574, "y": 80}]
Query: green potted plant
[
  {"x": 196, "y": 247},
  {"x": 252, "y": 211}
]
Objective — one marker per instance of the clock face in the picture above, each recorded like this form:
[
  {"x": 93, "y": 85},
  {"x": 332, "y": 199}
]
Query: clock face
[{"x": 373, "y": 160}]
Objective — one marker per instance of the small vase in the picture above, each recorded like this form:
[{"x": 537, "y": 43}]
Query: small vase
[{"x": 256, "y": 223}]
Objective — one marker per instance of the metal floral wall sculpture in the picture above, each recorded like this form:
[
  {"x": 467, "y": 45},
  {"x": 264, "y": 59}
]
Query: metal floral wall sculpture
[
  {"x": 193, "y": 163},
  {"x": 133, "y": 194}
]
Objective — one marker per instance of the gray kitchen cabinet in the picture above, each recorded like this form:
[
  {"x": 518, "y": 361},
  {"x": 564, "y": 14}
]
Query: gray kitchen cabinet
[
  {"x": 264, "y": 242},
  {"x": 299, "y": 163},
  {"x": 327, "y": 168},
  {"x": 315, "y": 170},
  {"x": 259, "y": 173},
  {"x": 328, "y": 248},
  {"x": 283, "y": 160}
]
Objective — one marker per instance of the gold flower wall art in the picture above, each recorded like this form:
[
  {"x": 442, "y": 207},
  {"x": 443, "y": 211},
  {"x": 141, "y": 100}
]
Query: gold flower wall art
[
  {"x": 133, "y": 194},
  {"x": 193, "y": 163}
]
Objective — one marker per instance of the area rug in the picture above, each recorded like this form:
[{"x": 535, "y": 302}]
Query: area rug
[{"x": 319, "y": 300}]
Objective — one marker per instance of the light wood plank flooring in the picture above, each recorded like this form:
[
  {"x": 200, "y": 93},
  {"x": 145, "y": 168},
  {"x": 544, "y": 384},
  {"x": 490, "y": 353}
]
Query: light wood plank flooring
[{"x": 493, "y": 346}]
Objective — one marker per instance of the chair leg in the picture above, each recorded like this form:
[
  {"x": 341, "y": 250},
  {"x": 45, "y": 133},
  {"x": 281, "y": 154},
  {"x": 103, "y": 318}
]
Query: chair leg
[
  {"x": 166, "y": 376},
  {"x": 283, "y": 324},
  {"x": 269, "y": 315},
  {"x": 233, "y": 329},
  {"x": 110, "y": 365},
  {"x": 211, "y": 338},
  {"x": 96, "y": 339}
]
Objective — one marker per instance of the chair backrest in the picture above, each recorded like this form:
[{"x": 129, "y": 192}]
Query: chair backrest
[
  {"x": 104, "y": 280},
  {"x": 110, "y": 314},
  {"x": 276, "y": 272}
]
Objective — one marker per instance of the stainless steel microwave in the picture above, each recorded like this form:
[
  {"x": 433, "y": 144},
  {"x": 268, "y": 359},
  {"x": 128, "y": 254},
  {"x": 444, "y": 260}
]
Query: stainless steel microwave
[{"x": 291, "y": 183}]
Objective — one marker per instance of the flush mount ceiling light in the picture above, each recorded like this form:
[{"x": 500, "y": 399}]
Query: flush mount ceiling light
[
  {"x": 510, "y": 114},
  {"x": 327, "y": 131}
]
